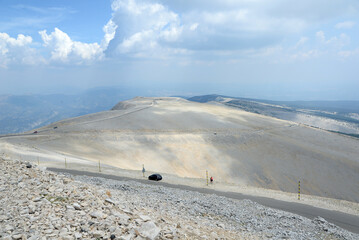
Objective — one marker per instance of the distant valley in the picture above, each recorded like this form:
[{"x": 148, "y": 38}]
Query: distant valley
[{"x": 21, "y": 113}]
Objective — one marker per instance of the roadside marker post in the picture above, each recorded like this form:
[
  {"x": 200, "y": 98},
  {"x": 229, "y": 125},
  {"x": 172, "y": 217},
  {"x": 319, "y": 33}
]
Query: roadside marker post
[
  {"x": 143, "y": 170},
  {"x": 298, "y": 190},
  {"x": 65, "y": 163},
  {"x": 207, "y": 176},
  {"x": 38, "y": 161},
  {"x": 99, "y": 165}
]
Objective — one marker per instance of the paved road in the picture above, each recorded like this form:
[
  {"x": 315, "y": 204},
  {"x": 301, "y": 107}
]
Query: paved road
[
  {"x": 16, "y": 135},
  {"x": 346, "y": 221}
]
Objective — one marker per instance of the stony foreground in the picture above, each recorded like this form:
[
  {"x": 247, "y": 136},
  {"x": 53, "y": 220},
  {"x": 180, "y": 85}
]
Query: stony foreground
[{"x": 36, "y": 204}]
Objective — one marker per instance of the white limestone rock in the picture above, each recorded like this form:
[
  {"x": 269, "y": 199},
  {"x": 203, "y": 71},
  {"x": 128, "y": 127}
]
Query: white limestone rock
[{"x": 149, "y": 230}]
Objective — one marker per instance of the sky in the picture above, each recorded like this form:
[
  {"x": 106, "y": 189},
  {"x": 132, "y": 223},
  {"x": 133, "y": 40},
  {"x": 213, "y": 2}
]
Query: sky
[{"x": 268, "y": 49}]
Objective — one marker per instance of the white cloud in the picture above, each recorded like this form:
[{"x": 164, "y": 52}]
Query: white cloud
[
  {"x": 313, "y": 53},
  {"x": 336, "y": 41},
  {"x": 64, "y": 49},
  {"x": 149, "y": 28},
  {"x": 201, "y": 29},
  {"x": 17, "y": 50},
  {"x": 193, "y": 27},
  {"x": 349, "y": 53},
  {"x": 250, "y": 20},
  {"x": 20, "y": 41},
  {"x": 142, "y": 27},
  {"x": 301, "y": 42},
  {"x": 206, "y": 30},
  {"x": 340, "y": 41},
  {"x": 345, "y": 25},
  {"x": 110, "y": 31},
  {"x": 320, "y": 36}
]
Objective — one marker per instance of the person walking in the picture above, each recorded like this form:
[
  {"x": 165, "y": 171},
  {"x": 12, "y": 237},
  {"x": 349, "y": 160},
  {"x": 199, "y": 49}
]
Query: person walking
[
  {"x": 211, "y": 179},
  {"x": 143, "y": 170}
]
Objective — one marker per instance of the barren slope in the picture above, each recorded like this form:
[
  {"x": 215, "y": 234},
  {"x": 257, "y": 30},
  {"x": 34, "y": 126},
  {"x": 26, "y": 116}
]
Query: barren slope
[{"x": 185, "y": 138}]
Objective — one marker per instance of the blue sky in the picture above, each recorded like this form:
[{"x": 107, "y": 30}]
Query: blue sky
[{"x": 271, "y": 49}]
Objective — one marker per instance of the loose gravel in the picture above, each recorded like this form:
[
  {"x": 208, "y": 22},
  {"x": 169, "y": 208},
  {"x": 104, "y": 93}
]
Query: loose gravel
[{"x": 37, "y": 204}]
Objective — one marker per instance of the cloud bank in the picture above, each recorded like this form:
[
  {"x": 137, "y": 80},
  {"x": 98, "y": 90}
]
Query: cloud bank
[{"x": 197, "y": 30}]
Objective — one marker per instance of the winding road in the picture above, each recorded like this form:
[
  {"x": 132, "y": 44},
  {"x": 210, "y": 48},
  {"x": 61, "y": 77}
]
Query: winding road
[{"x": 343, "y": 220}]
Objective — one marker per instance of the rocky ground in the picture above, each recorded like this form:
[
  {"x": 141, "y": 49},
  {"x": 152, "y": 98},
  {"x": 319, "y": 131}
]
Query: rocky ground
[{"x": 37, "y": 204}]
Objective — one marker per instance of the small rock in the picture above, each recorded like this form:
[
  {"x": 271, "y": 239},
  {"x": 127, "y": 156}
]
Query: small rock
[
  {"x": 168, "y": 236},
  {"x": 109, "y": 200},
  {"x": 320, "y": 220},
  {"x": 98, "y": 234},
  {"x": 64, "y": 236},
  {"x": 9, "y": 228},
  {"x": 63, "y": 232},
  {"x": 34, "y": 237},
  {"x": 17, "y": 236},
  {"x": 138, "y": 221},
  {"x": 76, "y": 206},
  {"x": 44, "y": 193},
  {"x": 221, "y": 225},
  {"x": 96, "y": 214},
  {"x": 69, "y": 207},
  {"x": 28, "y": 165},
  {"x": 214, "y": 235},
  {"x": 48, "y": 231},
  {"x": 37, "y": 199},
  {"x": 149, "y": 230},
  {"x": 78, "y": 235},
  {"x": 145, "y": 218},
  {"x": 66, "y": 180},
  {"x": 31, "y": 209},
  {"x": 127, "y": 211},
  {"x": 112, "y": 237}
]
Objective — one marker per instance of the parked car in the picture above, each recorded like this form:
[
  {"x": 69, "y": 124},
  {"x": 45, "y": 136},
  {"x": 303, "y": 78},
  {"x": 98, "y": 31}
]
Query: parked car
[{"x": 155, "y": 177}]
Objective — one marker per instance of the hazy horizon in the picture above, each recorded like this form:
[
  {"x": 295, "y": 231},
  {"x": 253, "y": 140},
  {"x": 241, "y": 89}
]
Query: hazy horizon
[
  {"x": 275, "y": 50},
  {"x": 132, "y": 93}
]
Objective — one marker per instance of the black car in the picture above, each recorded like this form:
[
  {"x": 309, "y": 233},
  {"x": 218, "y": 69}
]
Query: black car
[{"x": 155, "y": 177}]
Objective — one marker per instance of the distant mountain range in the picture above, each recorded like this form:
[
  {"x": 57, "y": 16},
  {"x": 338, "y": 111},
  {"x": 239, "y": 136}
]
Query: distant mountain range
[
  {"x": 20, "y": 113},
  {"x": 335, "y": 116}
]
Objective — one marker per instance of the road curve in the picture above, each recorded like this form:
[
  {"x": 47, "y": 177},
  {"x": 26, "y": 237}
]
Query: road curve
[{"x": 343, "y": 220}]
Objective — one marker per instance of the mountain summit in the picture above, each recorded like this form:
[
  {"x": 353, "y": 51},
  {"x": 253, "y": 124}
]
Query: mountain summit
[{"x": 173, "y": 135}]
